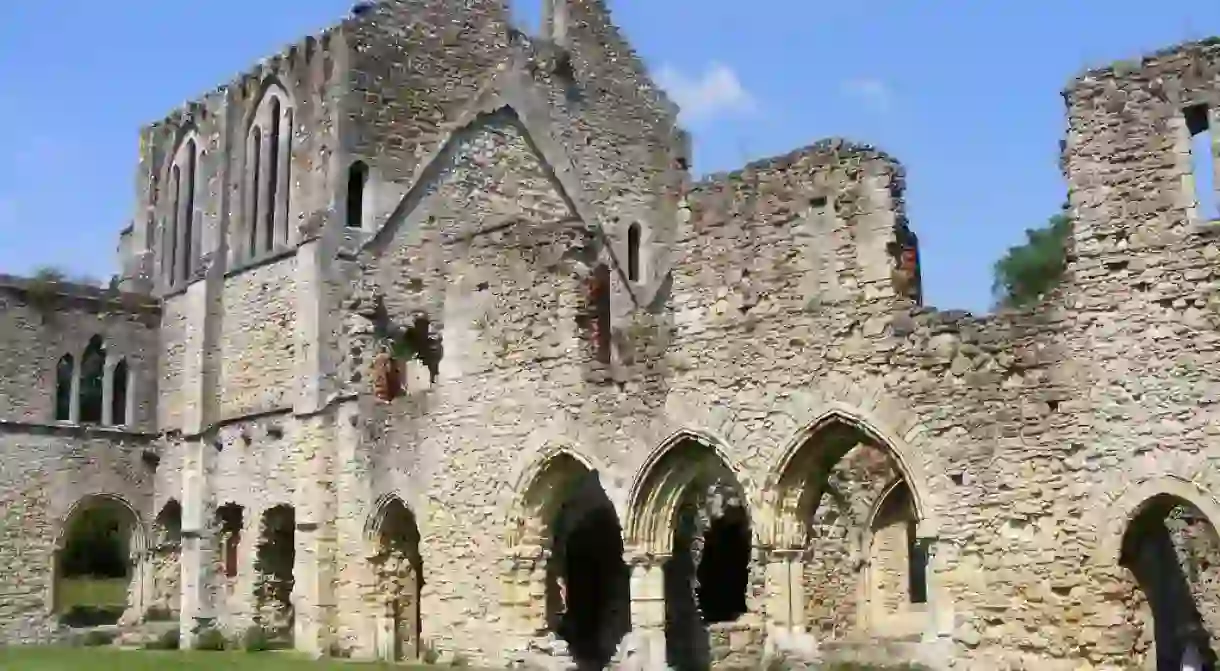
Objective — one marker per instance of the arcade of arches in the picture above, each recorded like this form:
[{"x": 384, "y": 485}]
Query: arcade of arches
[{"x": 693, "y": 566}]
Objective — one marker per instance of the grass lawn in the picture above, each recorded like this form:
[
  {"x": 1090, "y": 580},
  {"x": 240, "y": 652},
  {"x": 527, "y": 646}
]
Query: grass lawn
[
  {"x": 92, "y": 592},
  {"x": 110, "y": 659}
]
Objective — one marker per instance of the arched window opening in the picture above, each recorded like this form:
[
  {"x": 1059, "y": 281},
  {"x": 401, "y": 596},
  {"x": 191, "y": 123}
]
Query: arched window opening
[
  {"x": 186, "y": 263},
  {"x": 253, "y": 173},
  {"x": 64, "y": 372},
  {"x": 586, "y": 574},
  {"x": 398, "y": 567},
  {"x": 357, "y": 178},
  {"x": 1203, "y": 161},
  {"x": 171, "y": 233},
  {"x": 93, "y": 564},
  {"x": 274, "y": 562},
  {"x": 284, "y": 172},
  {"x": 92, "y": 381},
  {"x": 118, "y": 394},
  {"x": 272, "y": 162},
  {"x": 230, "y": 518},
  {"x": 166, "y": 564},
  {"x": 1168, "y": 550},
  {"x": 633, "y": 253}
]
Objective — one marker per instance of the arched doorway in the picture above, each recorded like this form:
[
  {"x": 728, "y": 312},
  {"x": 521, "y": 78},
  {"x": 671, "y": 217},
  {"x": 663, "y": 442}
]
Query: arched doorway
[
  {"x": 690, "y": 509},
  {"x": 399, "y": 581},
  {"x": 848, "y": 521},
  {"x": 1172, "y": 554},
  {"x": 95, "y": 562},
  {"x": 274, "y": 563},
  {"x": 166, "y": 563},
  {"x": 569, "y": 528}
]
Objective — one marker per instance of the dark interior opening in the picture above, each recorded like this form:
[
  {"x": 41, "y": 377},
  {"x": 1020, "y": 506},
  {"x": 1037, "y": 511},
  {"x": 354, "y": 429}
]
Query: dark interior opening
[
  {"x": 724, "y": 571},
  {"x": 1149, "y": 553},
  {"x": 596, "y": 610}
]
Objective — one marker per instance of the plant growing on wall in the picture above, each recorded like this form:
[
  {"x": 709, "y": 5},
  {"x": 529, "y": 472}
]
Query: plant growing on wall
[{"x": 1027, "y": 272}]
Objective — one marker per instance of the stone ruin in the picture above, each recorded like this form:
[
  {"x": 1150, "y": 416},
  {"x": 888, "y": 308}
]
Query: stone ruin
[{"x": 428, "y": 345}]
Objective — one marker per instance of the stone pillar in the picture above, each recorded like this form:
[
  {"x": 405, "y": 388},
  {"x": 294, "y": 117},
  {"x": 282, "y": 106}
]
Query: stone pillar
[
  {"x": 647, "y": 609},
  {"x": 108, "y": 391},
  {"x": 314, "y": 572},
  {"x": 74, "y": 402},
  {"x": 198, "y": 542},
  {"x": 784, "y": 589},
  {"x": 524, "y": 597}
]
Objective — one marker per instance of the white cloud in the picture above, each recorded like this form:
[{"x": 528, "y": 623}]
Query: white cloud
[
  {"x": 873, "y": 93},
  {"x": 716, "y": 92}
]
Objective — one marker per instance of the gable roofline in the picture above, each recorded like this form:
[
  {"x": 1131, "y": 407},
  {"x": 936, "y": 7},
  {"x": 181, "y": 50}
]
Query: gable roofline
[{"x": 509, "y": 88}]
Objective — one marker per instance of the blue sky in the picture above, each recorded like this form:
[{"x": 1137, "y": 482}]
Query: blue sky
[{"x": 966, "y": 94}]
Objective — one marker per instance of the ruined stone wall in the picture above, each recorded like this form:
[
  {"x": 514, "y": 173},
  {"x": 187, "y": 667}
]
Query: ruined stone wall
[
  {"x": 46, "y": 472},
  {"x": 1142, "y": 311},
  {"x": 40, "y": 323}
]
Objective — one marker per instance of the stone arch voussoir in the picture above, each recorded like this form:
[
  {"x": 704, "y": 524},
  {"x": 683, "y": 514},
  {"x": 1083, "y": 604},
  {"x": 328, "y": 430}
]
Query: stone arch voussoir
[
  {"x": 651, "y": 502},
  {"x": 531, "y": 469},
  {"x": 1112, "y": 518},
  {"x": 139, "y": 532},
  {"x": 897, "y": 430}
]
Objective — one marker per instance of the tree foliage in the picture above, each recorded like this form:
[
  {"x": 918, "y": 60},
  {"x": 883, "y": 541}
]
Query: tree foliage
[{"x": 1028, "y": 271}]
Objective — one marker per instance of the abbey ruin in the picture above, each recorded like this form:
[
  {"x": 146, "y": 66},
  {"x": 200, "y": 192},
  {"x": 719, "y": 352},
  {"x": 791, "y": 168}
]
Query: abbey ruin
[{"x": 426, "y": 341}]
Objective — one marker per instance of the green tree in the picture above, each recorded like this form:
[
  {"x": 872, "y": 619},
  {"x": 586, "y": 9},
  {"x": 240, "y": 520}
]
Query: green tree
[{"x": 1028, "y": 271}]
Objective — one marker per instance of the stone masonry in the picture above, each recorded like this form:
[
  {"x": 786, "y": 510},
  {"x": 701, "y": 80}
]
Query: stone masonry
[{"x": 426, "y": 343}]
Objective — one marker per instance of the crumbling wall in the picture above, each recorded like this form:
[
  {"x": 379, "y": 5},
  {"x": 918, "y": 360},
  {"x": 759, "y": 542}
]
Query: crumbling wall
[{"x": 41, "y": 322}]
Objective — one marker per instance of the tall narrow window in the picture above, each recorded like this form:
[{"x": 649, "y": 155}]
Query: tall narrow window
[
  {"x": 171, "y": 233},
  {"x": 188, "y": 212},
  {"x": 118, "y": 394},
  {"x": 92, "y": 380},
  {"x": 273, "y": 176},
  {"x": 253, "y": 156},
  {"x": 633, "y": 253},
  {"x": 917, "y": 569},
  {"x": 357, "y": 177},
  {"x": 284, "y": 174},
  {"x": 1203, "y": 161},
  {"x": 63, "y": 388}
]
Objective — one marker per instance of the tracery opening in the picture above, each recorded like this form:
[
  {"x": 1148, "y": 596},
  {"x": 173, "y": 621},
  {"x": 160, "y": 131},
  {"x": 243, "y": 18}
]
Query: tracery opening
[
  {"x": 357, "y": 178},
  {"x": 633, "y": 252},
  {"x": 166, "y": 561},
  {"x": 1170, "y": 551},
  {"x": 118, "y": 393},
  {"x": 844, "y": 493},
  {"x": 230, "y": 518},
  {"x": 94, "y": 562},
  {"x": 92, "y": 381},
  {"x": 399, "y": 582},
  {"x": 691, "y": 506},
  {"x": 569, "y": 516},
  {"x": 273, "y": 566},
  {"x": 65, "y": 370}
]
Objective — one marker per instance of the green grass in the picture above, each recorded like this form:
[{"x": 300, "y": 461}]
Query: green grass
[
  {"x": 92, "y": 592},
  {"x": 103, "y": 659}
]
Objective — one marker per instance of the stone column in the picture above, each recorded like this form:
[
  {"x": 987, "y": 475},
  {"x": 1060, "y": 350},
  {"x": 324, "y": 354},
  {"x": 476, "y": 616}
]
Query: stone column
[
  {"x": 108, "y": 391},
  {"x": 524, "y": 593},
  {"x": 198, "y": 542},
  {"x": 74, "y": 402},
  {"x": 199, "y": 552},
  {"x": 314, "y": 571},
  {"x": 647, "y": 609}
]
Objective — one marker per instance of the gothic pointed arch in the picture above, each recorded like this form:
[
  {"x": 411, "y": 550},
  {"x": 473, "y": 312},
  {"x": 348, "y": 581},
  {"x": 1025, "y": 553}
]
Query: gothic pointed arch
[
  {"x": 179, "y": 229},
  {"x": 566, "y": 542},
  {"x": 99, "y": 542},
  {"x": 398, "y": 575},
  {"x": 1162, "y": 540},
  {"x": 92, "y": 381},
  {"x": 814, "y": 451},
  {"x": 266, "y": 182},
  {"x": 65, "y": 373}
]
